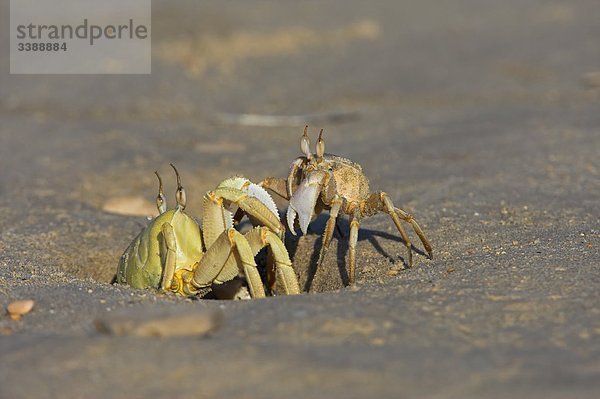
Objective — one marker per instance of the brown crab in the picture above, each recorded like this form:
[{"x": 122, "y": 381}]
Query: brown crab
[{"x": 326, "y": 181}]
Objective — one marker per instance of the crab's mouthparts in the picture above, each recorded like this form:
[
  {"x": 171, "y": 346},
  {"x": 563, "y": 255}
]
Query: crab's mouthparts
[{"x": 303, "y": 201}]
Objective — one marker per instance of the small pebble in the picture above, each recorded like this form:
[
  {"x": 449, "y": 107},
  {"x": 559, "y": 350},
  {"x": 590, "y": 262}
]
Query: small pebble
[{"x": 19, "y": 308}]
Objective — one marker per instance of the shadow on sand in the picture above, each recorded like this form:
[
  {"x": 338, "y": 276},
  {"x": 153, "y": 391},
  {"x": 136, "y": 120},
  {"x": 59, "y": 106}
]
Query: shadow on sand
[{"x": 341, "y": 233}]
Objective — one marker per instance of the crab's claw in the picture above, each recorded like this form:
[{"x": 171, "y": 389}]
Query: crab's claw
[{"x": 304, "y": 200}]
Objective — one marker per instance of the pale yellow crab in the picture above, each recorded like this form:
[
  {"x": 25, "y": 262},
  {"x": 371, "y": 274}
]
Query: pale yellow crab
[
  {"x": 173, "y": 254},
  {"x": 325, "y": 181}
]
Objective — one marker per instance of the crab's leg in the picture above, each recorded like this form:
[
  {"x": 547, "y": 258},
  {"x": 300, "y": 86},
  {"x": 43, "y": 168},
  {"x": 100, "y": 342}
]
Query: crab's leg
[
  {"x": 336, "y": 204},
  {"x": 214, "y": 262},
  {"x": 258, "y": 238},
  {"x": 253, "y": 207},
  {"x": 261, "y": 237},
  {"x": 388, "y": 207},
  {"x": 255, "y": 285},
  {"x": 381, "y": 202},
  {"x": 170, "y": 258},
  {"x": 354, "y": 226},
  {"x": 215, "y": 219},
  {"x": 408, "y": 218},
  {"x": 277, "y": 186}
]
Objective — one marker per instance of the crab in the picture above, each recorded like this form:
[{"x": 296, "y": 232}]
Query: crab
[
  {"x": 325, "y": 181},
  {"x": 174, "y": 254}
]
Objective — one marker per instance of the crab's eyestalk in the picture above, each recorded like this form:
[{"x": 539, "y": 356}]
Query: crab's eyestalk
[
  {"x": 304, "y": 200},
  {"x": 320, "y": 145},
  {"x": 305, "y": 143},
  {"x": 180, "y": 193},
  {"x": 161, "y": 201}
]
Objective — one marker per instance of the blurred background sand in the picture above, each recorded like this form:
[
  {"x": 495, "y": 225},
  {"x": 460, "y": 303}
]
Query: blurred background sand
[{"x": 479, "y": 117}]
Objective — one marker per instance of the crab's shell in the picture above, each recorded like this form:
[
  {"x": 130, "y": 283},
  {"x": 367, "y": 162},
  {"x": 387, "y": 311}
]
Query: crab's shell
[
  {"x": 141, "y": 263},
  {"x": 350, "y": 180}
]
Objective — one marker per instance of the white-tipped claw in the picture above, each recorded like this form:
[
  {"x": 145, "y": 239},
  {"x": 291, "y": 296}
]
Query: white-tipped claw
[{"x": 304, "y": 200}]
